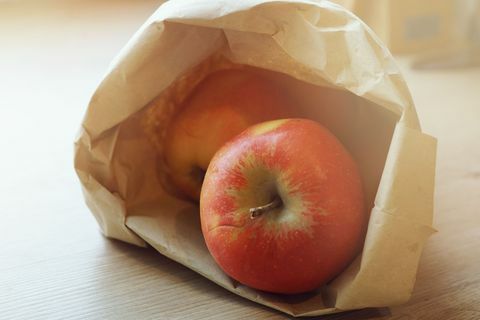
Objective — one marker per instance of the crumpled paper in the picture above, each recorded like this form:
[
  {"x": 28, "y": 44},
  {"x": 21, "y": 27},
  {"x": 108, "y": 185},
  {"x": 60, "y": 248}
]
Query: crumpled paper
[{"x": 338, "y": 73}]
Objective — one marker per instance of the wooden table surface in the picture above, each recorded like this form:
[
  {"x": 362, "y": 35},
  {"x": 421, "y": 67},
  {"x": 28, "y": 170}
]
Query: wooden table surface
[{"x": 55, "y": 264}]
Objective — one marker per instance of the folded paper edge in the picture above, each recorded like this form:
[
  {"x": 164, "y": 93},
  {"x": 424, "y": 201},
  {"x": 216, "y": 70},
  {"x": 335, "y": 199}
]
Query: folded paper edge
[
  {"x": 421, "y": 227},
  {"x": 110, "y": 214}
]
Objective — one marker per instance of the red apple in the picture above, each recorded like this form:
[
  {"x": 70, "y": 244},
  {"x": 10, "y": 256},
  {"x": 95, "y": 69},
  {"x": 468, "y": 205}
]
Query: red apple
[
  {"x": 223, "y": 105},
  {"x": 282, "y": 206}
]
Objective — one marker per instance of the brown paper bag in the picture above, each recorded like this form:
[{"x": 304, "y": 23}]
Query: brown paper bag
[{"x": 337, "y": 72}]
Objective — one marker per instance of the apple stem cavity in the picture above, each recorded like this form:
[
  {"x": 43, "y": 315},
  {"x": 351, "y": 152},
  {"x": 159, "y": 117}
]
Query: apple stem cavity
[{"x": 258, "y": 211}]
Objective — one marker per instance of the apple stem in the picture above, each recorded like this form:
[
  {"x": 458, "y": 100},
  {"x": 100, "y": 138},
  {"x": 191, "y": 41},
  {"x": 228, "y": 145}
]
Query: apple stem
[{"x": 257, "y": 211}]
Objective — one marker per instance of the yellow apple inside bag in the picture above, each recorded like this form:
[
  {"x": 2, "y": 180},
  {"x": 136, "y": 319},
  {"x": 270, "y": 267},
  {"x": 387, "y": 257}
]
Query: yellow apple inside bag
[{"x": 224, "y": 104}]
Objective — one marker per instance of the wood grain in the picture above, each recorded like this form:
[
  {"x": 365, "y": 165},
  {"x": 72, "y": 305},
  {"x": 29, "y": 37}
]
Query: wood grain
[{"x": 54, "y": 264}]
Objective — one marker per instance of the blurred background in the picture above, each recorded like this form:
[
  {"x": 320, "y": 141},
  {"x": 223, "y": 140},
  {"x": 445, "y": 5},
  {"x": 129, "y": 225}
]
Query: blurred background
[{"x": 445, "y": 32}]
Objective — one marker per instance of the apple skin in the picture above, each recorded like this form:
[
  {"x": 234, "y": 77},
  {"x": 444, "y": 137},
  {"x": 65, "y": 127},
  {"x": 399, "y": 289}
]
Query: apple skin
[
  {"x": 222, "y": 105},
  {"x": 316, "y": 230}
]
